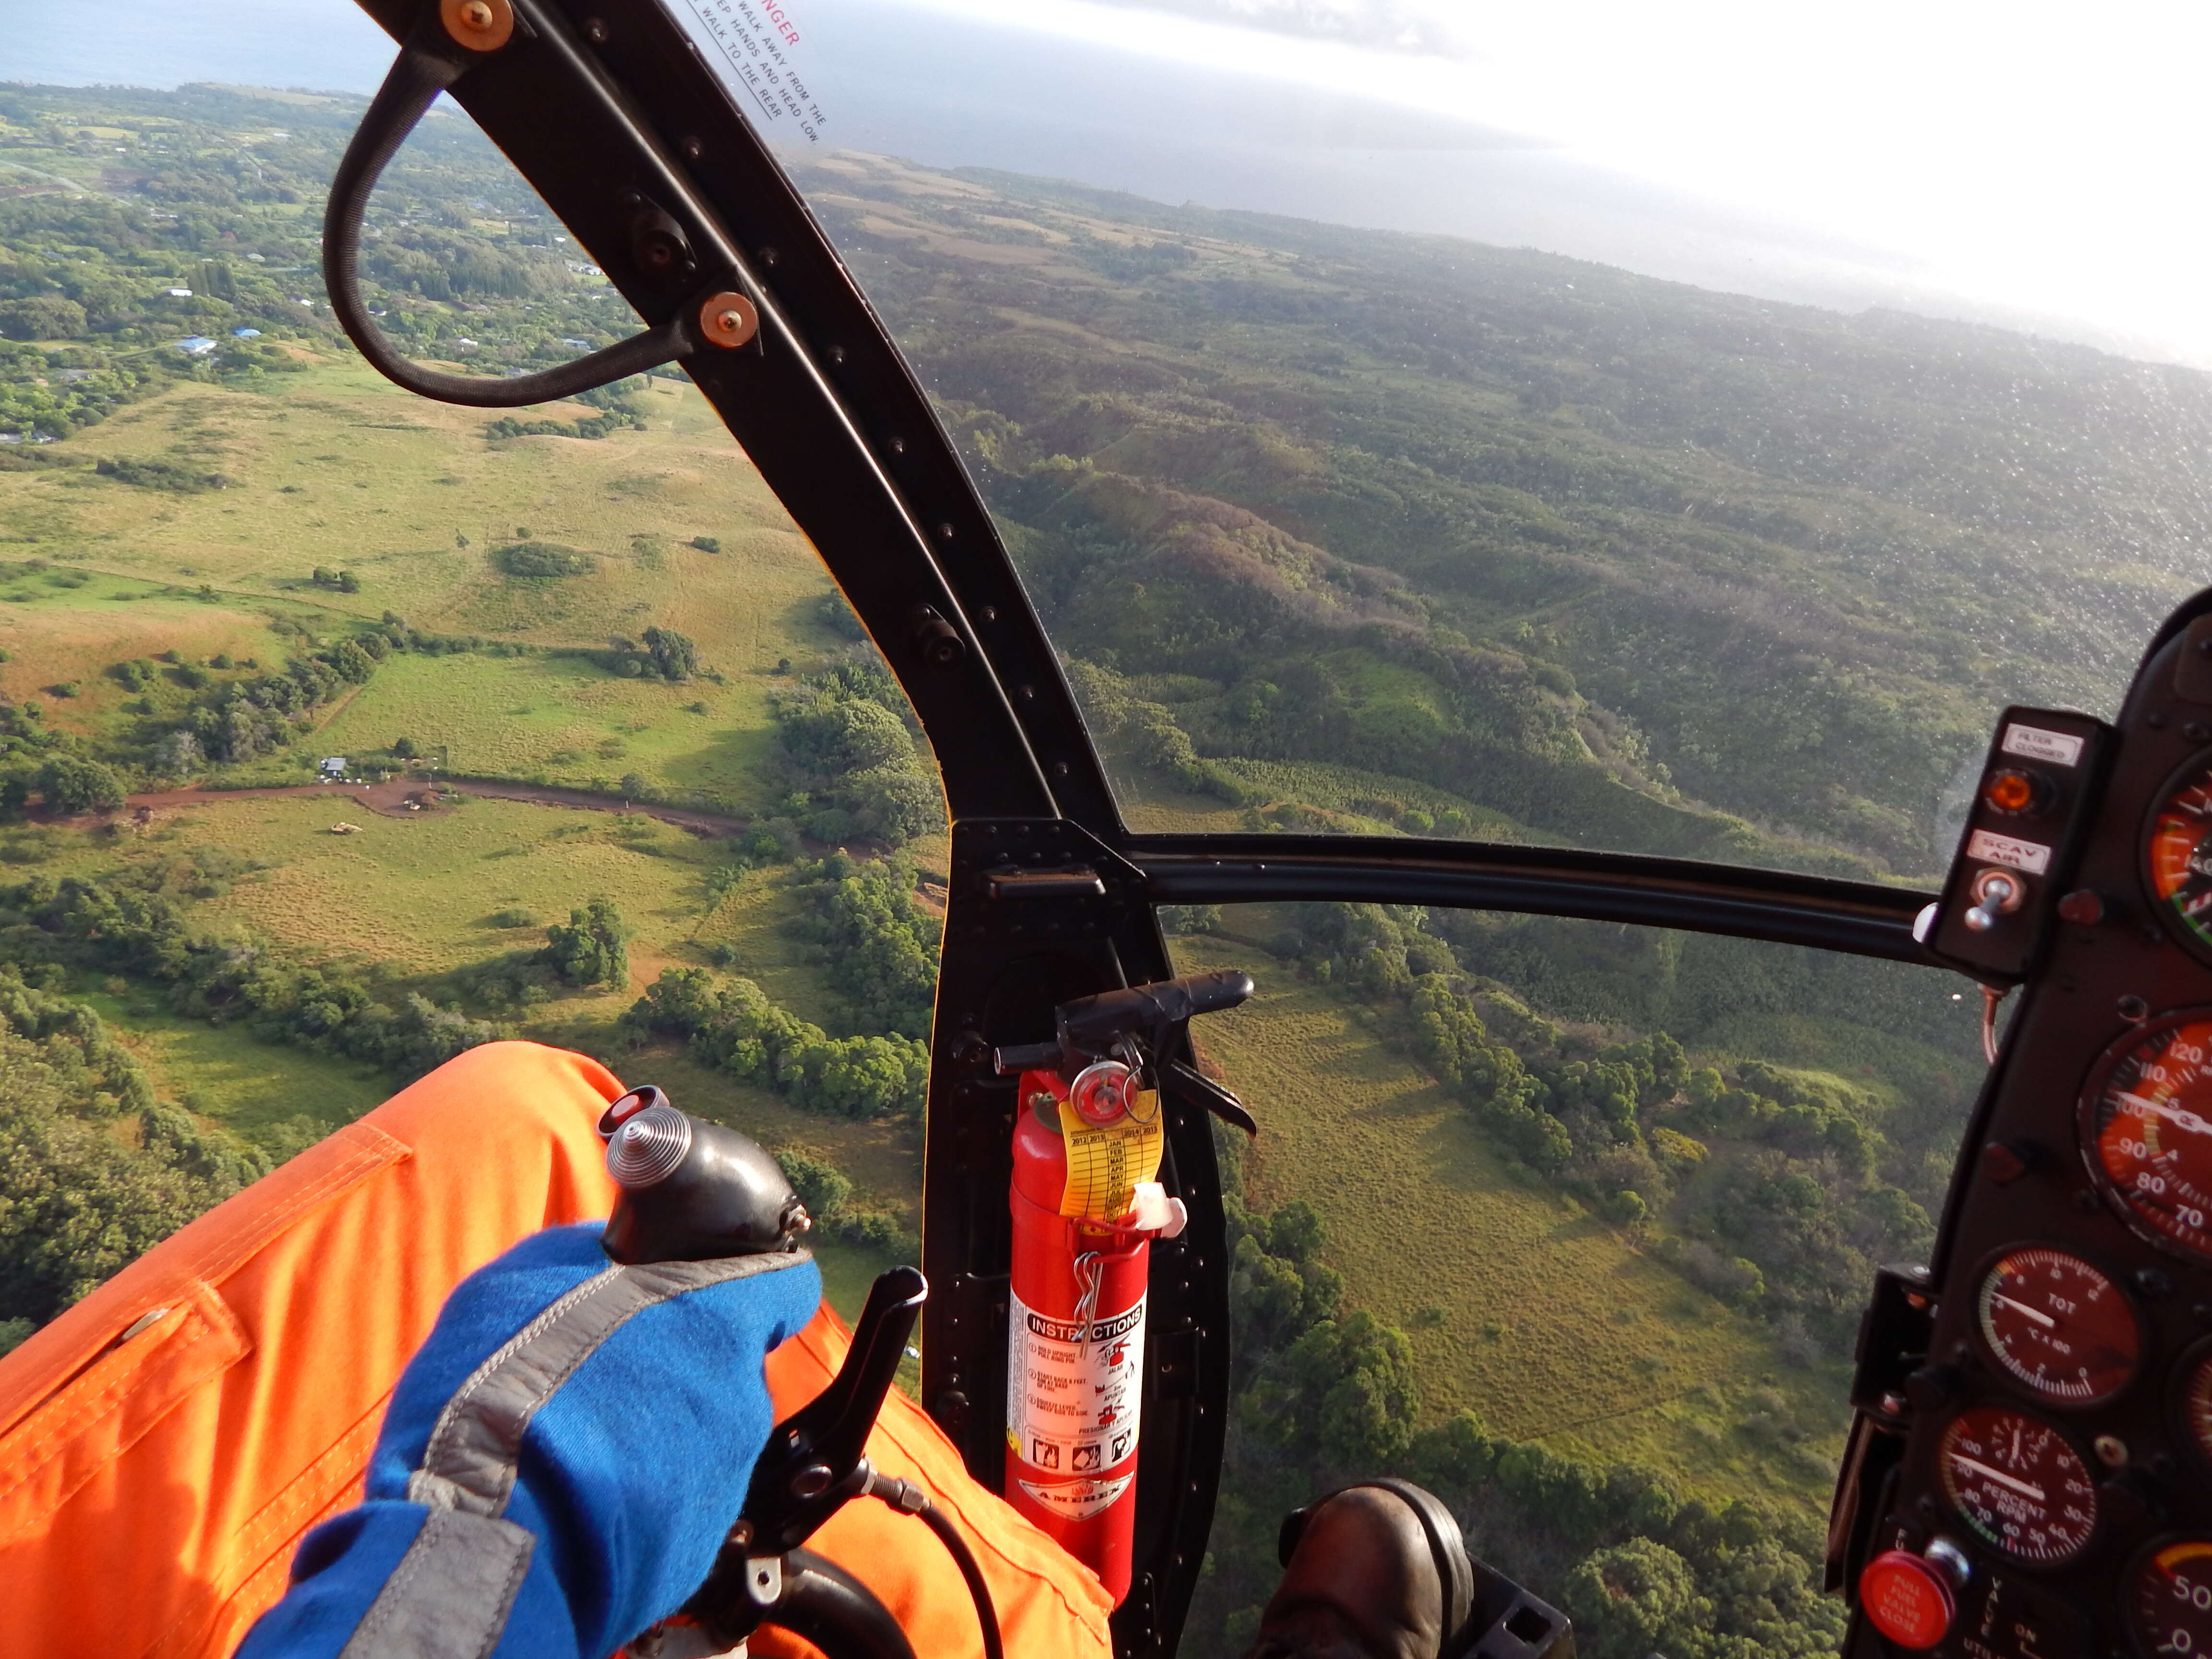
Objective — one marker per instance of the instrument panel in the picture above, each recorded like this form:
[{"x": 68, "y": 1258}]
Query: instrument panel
[{"x": 2030, "y": 1473}]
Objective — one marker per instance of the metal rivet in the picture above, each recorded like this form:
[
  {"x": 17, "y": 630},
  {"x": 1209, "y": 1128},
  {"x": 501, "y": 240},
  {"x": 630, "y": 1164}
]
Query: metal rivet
[
  {"x": 2155, "y": 720},
  {"x": 2111, "y": 1451},
  {"x": 898, "y": 446},
  {"x": 1059, "y": 768},
  {"x": 836, "y": 354},
  {"x": 693, "y": 148},
  {"x": 595, "y": 31},
  {"x": 944, "y": 532},
  {"x": 1028, "y": 693},
  {"x": 989, "y": 613},
  {"x": 2133, "y": 1009},
  {"x": 770, "y": 256}
]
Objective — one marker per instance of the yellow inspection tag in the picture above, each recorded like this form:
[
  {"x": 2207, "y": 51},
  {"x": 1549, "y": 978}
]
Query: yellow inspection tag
[{"x": 1105, "y": 1164}]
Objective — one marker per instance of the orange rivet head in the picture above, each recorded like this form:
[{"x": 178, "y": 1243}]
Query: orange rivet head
[
  {"x": 479, "y": 25},
  {"x": 729, "y": 321}
]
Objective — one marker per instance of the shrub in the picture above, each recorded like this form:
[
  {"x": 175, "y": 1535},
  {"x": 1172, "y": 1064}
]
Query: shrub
[
  {"x": 71, "y": 784},
  {"x": 590, "y": 950},
  {"x": 543, "y": 561}
]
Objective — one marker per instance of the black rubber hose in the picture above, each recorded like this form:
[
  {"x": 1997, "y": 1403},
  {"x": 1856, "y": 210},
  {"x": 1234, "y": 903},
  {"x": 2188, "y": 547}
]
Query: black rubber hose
[
  {"x": 415, "y": 80},
  {"x": 965, "y": 1558},
  {"x": 836, "y": 1610}
]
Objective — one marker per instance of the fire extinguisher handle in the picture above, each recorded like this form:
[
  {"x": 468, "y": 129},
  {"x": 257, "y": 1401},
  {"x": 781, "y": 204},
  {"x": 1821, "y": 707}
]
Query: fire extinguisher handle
[{"x": 1211, "y": 1095}]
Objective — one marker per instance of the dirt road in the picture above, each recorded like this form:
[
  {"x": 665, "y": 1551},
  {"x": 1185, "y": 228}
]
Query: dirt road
[{"x": 390, "y": 800}]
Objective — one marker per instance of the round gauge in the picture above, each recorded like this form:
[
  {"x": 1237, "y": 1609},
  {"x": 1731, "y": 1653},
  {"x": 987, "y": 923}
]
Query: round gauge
[
  {"x": 2195, "y": 1392},
  {"x": 2177, "y": 854},
  {"x": 2168, "y": 1598},
  {"x": 2146, "y": 1131},
  {"x": 2060, "y": 1325},
  {"x": 2018, "y": 1484}
]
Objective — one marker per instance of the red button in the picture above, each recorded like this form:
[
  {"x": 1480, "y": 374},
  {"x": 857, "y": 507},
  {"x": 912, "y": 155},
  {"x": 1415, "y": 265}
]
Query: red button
[{"x": 1907, "y": 1599}]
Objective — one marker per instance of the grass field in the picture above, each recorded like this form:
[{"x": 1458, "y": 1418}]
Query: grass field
[
  {"x": 332, "y": 468},
  {"x": 1544, "y": 1320},
  {"x": 419, "y": 892},
  {"x": 560, "y": 720},
  {"x": 226, "y": 1073}
]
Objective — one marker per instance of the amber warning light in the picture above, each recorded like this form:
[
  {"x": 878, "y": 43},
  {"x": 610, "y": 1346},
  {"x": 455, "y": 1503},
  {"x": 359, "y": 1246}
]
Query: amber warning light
[{"x": 2013, "y": 792}]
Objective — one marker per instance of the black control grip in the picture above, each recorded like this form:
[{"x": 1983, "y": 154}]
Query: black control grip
[{"x": 691, "y": 1191}]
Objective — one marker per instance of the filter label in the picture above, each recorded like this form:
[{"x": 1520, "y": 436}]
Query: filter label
[
  {"x": 1072, "y": 1404},
  {"x": 2034, "y": 742}
]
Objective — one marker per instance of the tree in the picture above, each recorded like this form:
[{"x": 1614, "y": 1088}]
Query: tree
[
  {"x": 76, "y": 1202},
  {"x": 1632, "y": 1597},
  {"x": 822, "y": 1186},
  {"x": 590, "y": 950},
  {"x": 404, "y": 749},
  {"x": 674, "y": 656},
  {"x": 43, "y": 316},
  {"x": 72, "y": 784},
  {"x": 1343, "y": 1393}
]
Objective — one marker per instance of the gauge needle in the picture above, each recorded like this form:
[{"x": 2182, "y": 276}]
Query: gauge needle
[
  {"x": 2000, "y": 1478},
  {"x": 2036, "y": 1314},
  {"x": 2174, "y": 1114}
]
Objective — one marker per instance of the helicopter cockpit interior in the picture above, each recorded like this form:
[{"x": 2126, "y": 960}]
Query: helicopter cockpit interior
[{"x": 1564, "y": 758}]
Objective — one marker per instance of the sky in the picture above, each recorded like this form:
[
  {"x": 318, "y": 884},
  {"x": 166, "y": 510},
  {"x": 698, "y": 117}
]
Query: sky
[{"x": 2036, "y": 168}]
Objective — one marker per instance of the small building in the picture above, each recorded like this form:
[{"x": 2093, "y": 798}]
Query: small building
[
  {"x": 333, "y": 766},
  {"x": 197, "y": 345},
  {"x": 178, "y": 293},
  {"x": 246, "y": 334}
]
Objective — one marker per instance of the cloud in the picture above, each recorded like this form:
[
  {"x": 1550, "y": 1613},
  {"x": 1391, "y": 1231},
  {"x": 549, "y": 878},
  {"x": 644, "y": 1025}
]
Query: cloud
[{"x": 1383, "y": 25}]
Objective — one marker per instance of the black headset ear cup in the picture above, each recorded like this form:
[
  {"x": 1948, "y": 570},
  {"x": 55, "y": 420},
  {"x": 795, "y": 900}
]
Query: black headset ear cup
[
  {"x": 1293, "y": 1528},
  {"x": 1447, "y": 1546}
]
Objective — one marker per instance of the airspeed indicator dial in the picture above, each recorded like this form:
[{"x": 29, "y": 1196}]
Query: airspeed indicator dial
[
  {"x": 2146, "y": 1127},
  {"x": 2018, "y": 1484}
]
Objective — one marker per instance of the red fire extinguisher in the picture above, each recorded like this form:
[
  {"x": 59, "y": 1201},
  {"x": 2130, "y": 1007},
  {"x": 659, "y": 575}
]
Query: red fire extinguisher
[{"x": 1075, "y": 1334}]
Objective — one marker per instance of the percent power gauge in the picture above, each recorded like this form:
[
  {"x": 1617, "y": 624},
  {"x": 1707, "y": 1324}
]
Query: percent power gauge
[
  {"x": 2168, "y": 1599},
  {"x": 2060, "y": 1327},
  {"x": 2018, "y": 1484},
  {"x": 2196, "y": 1398},
  {"x": 2147, "y": 1130},
  {"x": 2178, "y": 854}
]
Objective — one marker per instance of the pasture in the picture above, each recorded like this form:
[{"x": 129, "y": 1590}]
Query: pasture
[{"x": 1543, "y": 1318}]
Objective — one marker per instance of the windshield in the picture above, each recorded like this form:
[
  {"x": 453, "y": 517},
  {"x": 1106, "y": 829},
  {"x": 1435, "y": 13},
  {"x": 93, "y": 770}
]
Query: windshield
[
  {"x": 1572, "y": 1223},
  {"x": 1412, "y": 420}
]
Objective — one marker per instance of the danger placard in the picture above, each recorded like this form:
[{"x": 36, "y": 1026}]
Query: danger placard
[{"x": 1072, "y": 1403}]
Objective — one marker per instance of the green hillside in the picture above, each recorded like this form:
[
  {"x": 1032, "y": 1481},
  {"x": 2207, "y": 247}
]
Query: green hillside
[{"x": 1582, "y": 546}]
